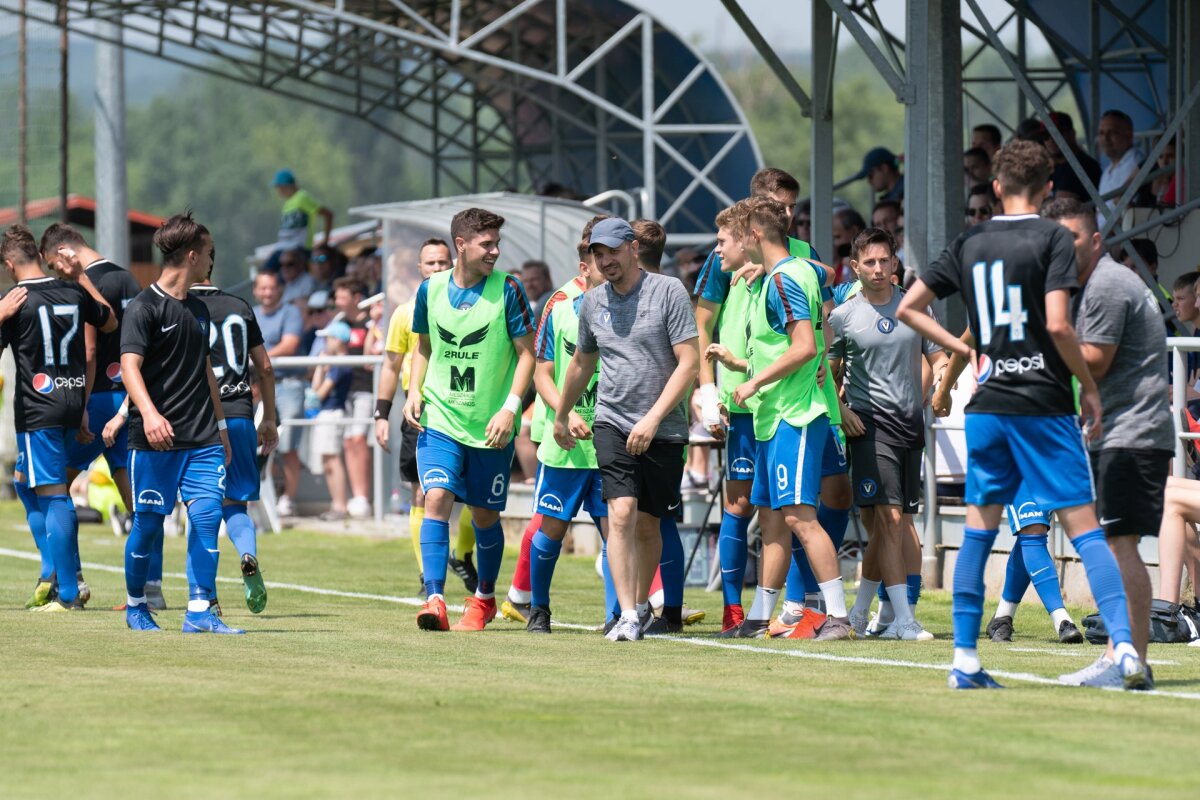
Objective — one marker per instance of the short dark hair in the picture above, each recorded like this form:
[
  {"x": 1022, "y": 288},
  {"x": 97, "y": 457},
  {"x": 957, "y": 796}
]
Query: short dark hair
[
  {"x": 896, "y": 204},
  {"x": 540, "y": 266},
  {"x": 977, "y": 152},
  {"x": 1061, "y": 208},
  {"x": 1117, "y": 113},
  {"x": 984, "y": 189},
  {"x": 871, "y": 236},
  {"x": 991, "y": 131},
  {"x": 769, "y": 180},
  {"x": 434, "y": 242},
  {"x": 770, "y": 215},
  {"x": 583, "y": 250},
  {"x": 586, "y": 234},
  {"x": 179, "y": 235},
  {"x": 474, "y": 220},
  {"x": 352, "y": 284},
  {"x": 850, "y": 218},
  {"x": 652, "y": 241},
  {"x": 1186, "y": 280},
  {"x": 19, "y": 246},
  {"x": 275, "y": 276},
  {"x": 59, "y": 234},
  {"x": 1147, "y": 249},
  {"x": 1022, "y": 167}
]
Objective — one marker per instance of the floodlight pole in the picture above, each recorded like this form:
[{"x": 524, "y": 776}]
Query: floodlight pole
[{"x": 112, "y": 195}]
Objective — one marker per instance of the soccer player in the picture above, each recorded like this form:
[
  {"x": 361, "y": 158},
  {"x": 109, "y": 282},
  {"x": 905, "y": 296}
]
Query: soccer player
[
  {"x": 476, "y": 332},
  {"x": 642, "y": 326},
  {"x": 884, "y": 421},
  {"x": 400, "y": 348},
  {"x": 1120, "y": 334},
  {"x": 1017, "y": 273},
  {"x": 41, "y": 319},
  {"x": 785, "y": 349},
  {"x": 235, "y": 342},
  {"x": 177, "y": 428}
]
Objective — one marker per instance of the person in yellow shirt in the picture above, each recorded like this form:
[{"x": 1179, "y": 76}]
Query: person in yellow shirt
[{"x": 401, "y": 343}]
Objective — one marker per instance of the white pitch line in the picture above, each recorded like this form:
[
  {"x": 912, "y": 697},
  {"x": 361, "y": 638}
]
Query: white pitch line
[
  {"x": 1154, "y": 662},
  {"x": 722, "y": 645}
]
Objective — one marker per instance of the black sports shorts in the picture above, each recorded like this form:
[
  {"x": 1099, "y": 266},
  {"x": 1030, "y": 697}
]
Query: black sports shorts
[
  {"x": 1130, "y": 485},
  {"x": 653, "y": 477}
]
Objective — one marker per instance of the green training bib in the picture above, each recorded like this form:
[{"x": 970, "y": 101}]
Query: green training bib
[
  {"x": 566, "y": 332},
  {"x": 541, "y": 424}
]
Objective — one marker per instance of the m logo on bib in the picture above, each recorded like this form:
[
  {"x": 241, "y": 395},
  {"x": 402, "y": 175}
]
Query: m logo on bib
[{"x": 462, "y": 381}]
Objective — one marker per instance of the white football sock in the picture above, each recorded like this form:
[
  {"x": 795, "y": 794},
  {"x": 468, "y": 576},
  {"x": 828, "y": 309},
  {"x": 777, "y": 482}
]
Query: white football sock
[
  {"x": 519, "y": 597},
  {"x": 966, "y": 659},
  {"x": 899, "y": 596},
  {"x": 764, "y": 603},
  {"x": 866, "y": 593},
  {"x": 1060, "y": 615},
  {"x": 835, "y": 597},
  {"x": 1007, "y": 609},
  {"x": 131, "y": 601},
  {"x": 197, "y": 606}
]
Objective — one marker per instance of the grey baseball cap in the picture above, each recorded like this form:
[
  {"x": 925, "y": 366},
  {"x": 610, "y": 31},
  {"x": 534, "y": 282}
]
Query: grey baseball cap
[{"x": 612, "y": 232}]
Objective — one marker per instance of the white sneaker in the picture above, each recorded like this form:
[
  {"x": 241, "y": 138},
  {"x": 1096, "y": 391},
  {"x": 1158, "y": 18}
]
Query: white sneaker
[
  {"x": 1090, "y": 672},
  {"x": 284, "y": 507},
  {"x": 908, "y": 632},
  {"x": 1194, "y": 643},
  {"x": 359, "y": 507},
  {"x": 876, "y": 626},
  {"x": 626, "y": 630},
  {"x": 858, "y": 621}
]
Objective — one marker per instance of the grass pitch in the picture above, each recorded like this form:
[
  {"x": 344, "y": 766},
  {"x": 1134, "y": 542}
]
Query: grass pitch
[{"x": 341, "y": 696}]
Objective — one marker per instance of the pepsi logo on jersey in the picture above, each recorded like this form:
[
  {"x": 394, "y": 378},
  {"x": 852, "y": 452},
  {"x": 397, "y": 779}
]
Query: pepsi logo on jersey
[
  {"x": 114, "y": 372},
  {"x": 44, "y": 384}
]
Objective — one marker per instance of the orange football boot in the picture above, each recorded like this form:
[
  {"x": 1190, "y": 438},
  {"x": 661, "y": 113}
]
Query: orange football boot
[
  {"x": 476, "y": 614},
  {"x": 432, "y": 616},
  {"x": 806, "y": 627},
  {"x": 732, "y": 618}
]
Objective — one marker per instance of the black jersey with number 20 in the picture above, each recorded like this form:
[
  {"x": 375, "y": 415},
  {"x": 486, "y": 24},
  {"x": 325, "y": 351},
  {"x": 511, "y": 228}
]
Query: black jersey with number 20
[
  {"x": 171, "y": 336},
  {"x": 1004, "y": 268},
  {"x": 232, "y": 333},
  {"x": 47, "y": 339}
]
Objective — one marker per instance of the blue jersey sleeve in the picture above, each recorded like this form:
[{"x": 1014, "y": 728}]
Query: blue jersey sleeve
[
  {"x": 712, "y": 284},
  {"x": 544, "y": 346},
  {"x": 842, "y": 292},
  {"x": 786, "y": 303},
  {"x": 517, "y": 309},
  {"x": 420, "y": 320}
]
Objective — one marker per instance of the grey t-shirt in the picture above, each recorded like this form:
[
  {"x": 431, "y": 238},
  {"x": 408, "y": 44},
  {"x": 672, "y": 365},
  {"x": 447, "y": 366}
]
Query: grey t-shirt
[
  {"x": 1116, "y": 307},
  {"x": 635, "y": 334},
  {"x": 281, "y": 322},
  {"x": 881, "y": 361}
]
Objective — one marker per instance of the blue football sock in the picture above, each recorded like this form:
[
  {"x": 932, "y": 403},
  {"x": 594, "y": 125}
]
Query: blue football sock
[
  {"x": 914, "y": 589},
  {"x": 1105, "y": 579},
  {"x": 156, "y": 554},
  {"x": 881, "y": 593},
  {"x": 834, "y": 521},
  {"x": 968, "y": 585},
  {"x": 62, "y": 540},
  {"x": 800, "y": 580},
  {"x": 610, "y": 589},
  {"x": 543, "y": 556},
  {"x": 489, "y": 549},
  {"x": 671, "y": 563},
  {"x": 37, "y": 527},
  {"x": 241, "y": 530},
  {"x": 1016, "y": 575},
  {"x": 435, "y": 552},
  {"x": 731, "y": 549},
  {"x": 1042, "y": 571},
  {"x": 204, "y": 523},
  {"x": 147, "y": 527}
]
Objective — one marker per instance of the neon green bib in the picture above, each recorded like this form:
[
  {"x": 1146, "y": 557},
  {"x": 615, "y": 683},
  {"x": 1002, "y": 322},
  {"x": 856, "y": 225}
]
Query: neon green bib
[
  {"x": 541, "y": 424},
  {"x": 731, "y": 332},
  {"x": 795, "y": 398},
  {"x": 471, "y": 361},
  {"x": 566, "y": 332}
]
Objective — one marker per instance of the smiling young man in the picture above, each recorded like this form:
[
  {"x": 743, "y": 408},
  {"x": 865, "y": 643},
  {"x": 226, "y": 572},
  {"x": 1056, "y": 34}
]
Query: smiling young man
[{"x": 476, "y": 347}]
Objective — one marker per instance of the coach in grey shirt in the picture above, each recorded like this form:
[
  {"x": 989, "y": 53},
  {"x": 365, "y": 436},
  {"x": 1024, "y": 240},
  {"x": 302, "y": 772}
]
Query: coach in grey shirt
[
  {"x": 640, "y": 326},
  {"x": 1120, "y": 334}
]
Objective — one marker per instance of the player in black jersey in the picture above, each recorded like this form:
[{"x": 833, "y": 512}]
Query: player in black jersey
[
  {"x": 51, "y": 395},
  {"x": 1016, "y": 273},
  {"x": 177, "y": 438},
  {"x": 63, "y": 247}
]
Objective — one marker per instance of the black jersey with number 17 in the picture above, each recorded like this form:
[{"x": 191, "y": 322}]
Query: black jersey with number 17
[
  {"x": 118, "y": 287},
  {"x": 233, "y": 332},
  {"x": 1004, "y": 268},
  {"x": 46, "y": 336}
]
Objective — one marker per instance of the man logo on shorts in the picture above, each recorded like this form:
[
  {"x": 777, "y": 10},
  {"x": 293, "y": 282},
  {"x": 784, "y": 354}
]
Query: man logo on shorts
[
  {"x": 742, "y": 466},
  {"x": 886, "y": 325},
  {"x": 551, "y": 502},
  {"x": 867, "y": 488},
  {"x": 436, "y": 476},
  {"x": 149, "y": 497}
]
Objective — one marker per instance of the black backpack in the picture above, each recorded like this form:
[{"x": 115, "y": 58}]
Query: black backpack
[{"x": 1170, "y": 623}]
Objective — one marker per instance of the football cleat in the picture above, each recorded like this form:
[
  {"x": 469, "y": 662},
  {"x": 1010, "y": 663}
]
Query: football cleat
[
  {"x": 626, "y": 630},
  {"x": 121, "y": 522},
  {"x": 611, "y": 623},
  {"x": 660, "y": 625},
  {"x": 256, "y": 590},
  {"x": 1068, "y": 633},
  {"x": 971, "y": 680},
  {"x": 421, "y": 593},
  {"x": 835, "y": 628},
  {"x": 539, "y": 620},
  {"x": 732, "y": 618},
  {"x": 645, "y": 618},
  {"x": 1135, "y": 675},
  {"x": 691, "y": 616},
  {"x": 138, "y": 618},
  {"x": 876, "y": 626},
  {"x": 1000, "y": 629},
  {"x": 858, "y": 621},
  {"x": 42, "y": 593},
  {"x": 517, "y": 612},
  {"x": 476, "y": 614},
  {"x": 84, "y": 592},
  {"x": 57, "y": 606},
  {"x": 796, "y": 626},
  {"x": 214, "y": 606},
  {"x": 1090, "y": 672},
  {"x": 753, "y": 629},
  {"x": 207, "y": 622},
  {"x": 154, "y": 597},
  {"x": 908, "y": 632},
  {"x": 432, "y": 616},
  {"x": 465, "y": 570}
]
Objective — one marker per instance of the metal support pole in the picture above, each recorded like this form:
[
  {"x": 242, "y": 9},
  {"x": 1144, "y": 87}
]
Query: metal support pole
[
  {"x": 112, "y": 195},
  {"x": 1178, "y": 401},
  {"x": 649, "y": 174},
  {"x": 64, "y": 110},
  {"x": 821, "y": 164},
  {"x": 1190, "y": 138},
  {"x": 22, "y": 114},
  {"x": 931, "y": 537}
]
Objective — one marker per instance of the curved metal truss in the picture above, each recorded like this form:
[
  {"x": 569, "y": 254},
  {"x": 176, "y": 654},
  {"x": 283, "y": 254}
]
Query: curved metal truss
[{"x": 588, "y": 96}]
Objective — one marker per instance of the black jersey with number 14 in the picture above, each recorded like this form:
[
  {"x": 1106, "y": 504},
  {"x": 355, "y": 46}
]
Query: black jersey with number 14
[
  {"x": 1004, "y": 268},
  {"x": 171, "y": 336},
  {"x": 233, "y": 332},
  {"x": 46, "y": 336}
]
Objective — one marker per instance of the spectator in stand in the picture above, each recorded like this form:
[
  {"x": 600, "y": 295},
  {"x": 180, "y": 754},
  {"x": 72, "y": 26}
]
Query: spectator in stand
[
  {"x": 987, "y": 138},
  {"x": 977, "y": 167},
  {"x": 847, "y": 223},
  {"x": 326, "y": 265},
  {"x": 1149, "y": 253},
  {"x": 332, "y": 385},
  {"x": 538, "y": 285},
  {"x": 282, "y": 328},
  {"x": 318, "y": 313},
  {"x": 348, "y": 294},
  {"x": 1184, "y": 306},
  {"x": 887, "y": 215},
  {"x": 376, "y": 330},
  {"x": 881, "y": 168},
  {"x": 1031, "y": 130},
  {"x": 1159, "y": 191},
  {"x": 981, "y": 204},
  {"x": 1115, "y": 138},
  {"x": 802, "y": 222},
  {"x": 298, "y": 222},
  {"x": 1064, "y": 178},
  {"x": 298, "y": 285}
]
